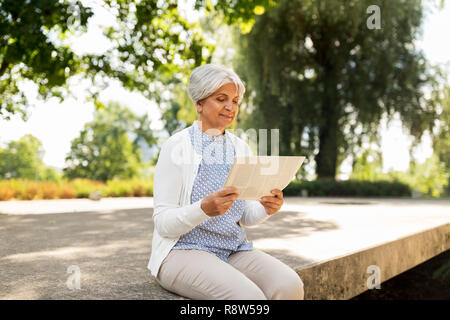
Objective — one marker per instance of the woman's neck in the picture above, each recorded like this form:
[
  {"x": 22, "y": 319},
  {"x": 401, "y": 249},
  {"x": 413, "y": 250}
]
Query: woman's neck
[{"x": 209, "y": 130}]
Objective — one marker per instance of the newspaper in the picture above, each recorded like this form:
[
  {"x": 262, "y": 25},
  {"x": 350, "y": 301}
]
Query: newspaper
[{"x": 256, "y": 176}]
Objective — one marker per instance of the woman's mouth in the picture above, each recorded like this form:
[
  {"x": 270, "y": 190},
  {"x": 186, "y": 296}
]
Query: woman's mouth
[{"x": 226, "y": 117}]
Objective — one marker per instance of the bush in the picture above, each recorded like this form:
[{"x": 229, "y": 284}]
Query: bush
[
  {"x": 129, "y": 188},
  {"x": 31, "y": 191},
  {"x": 142, "y": 187},
  {"x": 49, "y": 190},
  {"x": 7, "y": 192},
  {"x": 83, "y": 187},
  {"x": 348, "y": 188},
  {"x": 66, "y": 191},
  {"x": 118, "y": 188},
  {"x": 77, "y": 188}
]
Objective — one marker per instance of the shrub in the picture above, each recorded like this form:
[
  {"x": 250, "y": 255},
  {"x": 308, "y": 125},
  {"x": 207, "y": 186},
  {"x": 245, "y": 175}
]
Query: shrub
[
  {"x": 83, "y": 187},
  {"x": 348, "y": 188},
  {"x": 66, "y": 191},
  {"x": 6, "y": 191},
  {"x": 77, "y": 188},
  {"x": 49, "y": 190},
  {"x": 142, "y": 187},
  {"x": 31, "y": 191},
  {"x": 118, "y": 188}
]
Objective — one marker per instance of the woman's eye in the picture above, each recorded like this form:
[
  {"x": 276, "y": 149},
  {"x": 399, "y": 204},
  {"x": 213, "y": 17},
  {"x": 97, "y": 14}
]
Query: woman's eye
[{"x": 221, "y": 100}]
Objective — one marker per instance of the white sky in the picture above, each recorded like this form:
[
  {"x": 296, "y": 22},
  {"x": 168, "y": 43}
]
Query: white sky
[{"x": 57, "y": 124}]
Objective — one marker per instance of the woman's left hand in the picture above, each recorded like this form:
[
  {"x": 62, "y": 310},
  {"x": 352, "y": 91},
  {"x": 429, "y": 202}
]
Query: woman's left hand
[{"x": 272, "y": 204}]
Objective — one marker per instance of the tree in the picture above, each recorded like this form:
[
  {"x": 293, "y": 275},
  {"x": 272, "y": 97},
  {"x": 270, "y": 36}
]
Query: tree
[
  {"x": 441, "y": 140},
  {"x": 152, "y": 46},
  {"x": 325, "y": 80},
  {"x": 368, "y": 167},
  {"x": 429, "y": 177},
  {"x": 109, "y": 146},
  {"x": 28, "y": 51},
  {"x": 22, "y": 159}
]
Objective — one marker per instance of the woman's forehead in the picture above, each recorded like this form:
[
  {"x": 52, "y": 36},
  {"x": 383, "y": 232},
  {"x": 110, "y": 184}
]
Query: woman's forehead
[{"x": 229, "y": 89}]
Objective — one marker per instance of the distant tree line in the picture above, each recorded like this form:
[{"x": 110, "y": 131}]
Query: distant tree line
[{"x": 109, "y": 147}]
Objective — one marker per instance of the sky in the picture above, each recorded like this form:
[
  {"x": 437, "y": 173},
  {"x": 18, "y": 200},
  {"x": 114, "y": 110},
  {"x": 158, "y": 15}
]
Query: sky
[{"x": 56, "y": 124}]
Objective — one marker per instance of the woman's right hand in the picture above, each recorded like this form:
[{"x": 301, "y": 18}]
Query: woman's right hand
[{"x": 219, "y": 202}]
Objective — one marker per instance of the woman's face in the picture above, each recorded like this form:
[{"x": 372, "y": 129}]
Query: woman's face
[{"x": 219, "y": 110}]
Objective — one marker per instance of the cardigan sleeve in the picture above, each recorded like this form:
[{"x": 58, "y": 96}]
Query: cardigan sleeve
[
  {"x": 172, "y": 220},
  {"x": 254, "y": 213}
]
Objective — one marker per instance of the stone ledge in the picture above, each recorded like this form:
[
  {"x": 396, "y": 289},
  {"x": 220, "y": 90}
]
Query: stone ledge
[{"x": 347, "y": 276}]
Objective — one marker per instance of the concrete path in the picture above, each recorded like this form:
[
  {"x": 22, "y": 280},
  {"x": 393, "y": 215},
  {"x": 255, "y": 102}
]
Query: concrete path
[
  {"x": 110, "y": 241},
  {"x": 73, "y": 205}
]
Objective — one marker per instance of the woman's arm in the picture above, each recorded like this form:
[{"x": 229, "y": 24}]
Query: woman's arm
[
  {"x": 254, "y": 213},
  {"x": 172, "y": 220}
]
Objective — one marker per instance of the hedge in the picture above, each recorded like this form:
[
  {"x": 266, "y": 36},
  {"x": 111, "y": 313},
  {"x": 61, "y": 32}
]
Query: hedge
[
  {"x": 77, "y": 188},
  {"x": 348, "y": 188}
]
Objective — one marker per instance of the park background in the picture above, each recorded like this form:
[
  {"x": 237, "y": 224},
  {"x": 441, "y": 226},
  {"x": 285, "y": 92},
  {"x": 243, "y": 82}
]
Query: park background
[{"x": 91, "y": 89}]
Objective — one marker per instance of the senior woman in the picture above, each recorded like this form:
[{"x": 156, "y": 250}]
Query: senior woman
[{"x": 199, "y": 248}]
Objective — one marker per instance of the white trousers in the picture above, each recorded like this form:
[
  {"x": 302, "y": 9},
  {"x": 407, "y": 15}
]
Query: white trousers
[{"x": 248, "y": 275}]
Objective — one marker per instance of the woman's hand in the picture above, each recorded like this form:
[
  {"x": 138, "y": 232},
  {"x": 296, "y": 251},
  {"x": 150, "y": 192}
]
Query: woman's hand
[
  {"x": 219, "y": 202},
  {"x": 273, "y": 204}
]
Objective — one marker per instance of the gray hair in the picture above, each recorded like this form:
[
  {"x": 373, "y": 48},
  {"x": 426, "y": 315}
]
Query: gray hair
[{"x": 206, "y": 79}]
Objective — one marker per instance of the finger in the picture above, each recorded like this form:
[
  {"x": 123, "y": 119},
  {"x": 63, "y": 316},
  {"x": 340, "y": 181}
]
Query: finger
[
  {"x": 278, "y": 193},
  {"x": 227, "y": 204},
  {"x": 226, "y": 191},
  {"x": 231, "y": 197},
  {"x": 272, "y": 200},
  {"x": 271, "y": 209},
  {"x": 270, "y": 205}
]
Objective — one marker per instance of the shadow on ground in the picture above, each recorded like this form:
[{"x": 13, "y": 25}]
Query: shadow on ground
[{"x": 110, "y": 248}]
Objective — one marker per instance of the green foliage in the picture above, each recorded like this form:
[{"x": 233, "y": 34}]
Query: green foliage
[
  {"x": 152, "y": 46},
  {"x": 104, "y": 151},
  {"x": 368, "y": 167},
  {"x": 21, "y": 189},
  {"x": 349, "y": 188},
  {"x": 441, "y": 140},
  {"x": 430, "y": 177},
  {"x": 83, "y": 187},
  {"x": 130, "y": 188},
  {"x": 324, "y": 79},
  {"x": 49, "y": 174},
  {"x": 78, "y": 188},
  {"x": 181, "y": 111},
  {"x": 156, "y": 47},
  {"x": 21, "y": 159},
  {"x": 30, "y": 48},
  {"x": 239, "y": 13}
]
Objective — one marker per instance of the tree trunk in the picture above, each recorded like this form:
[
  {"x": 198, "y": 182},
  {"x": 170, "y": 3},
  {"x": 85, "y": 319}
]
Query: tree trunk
[{"x": 326, "y": 159}]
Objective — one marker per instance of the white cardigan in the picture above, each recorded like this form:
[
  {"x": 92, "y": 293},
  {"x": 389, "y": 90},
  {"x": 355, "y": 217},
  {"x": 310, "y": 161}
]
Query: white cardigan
[{"x": 174, "y": 176}]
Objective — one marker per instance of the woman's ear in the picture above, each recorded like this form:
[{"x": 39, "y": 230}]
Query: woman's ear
[{"x": 199, "y": 106}]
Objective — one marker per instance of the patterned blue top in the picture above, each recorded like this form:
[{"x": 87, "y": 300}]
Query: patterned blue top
[{"x": 220, "y": 235}]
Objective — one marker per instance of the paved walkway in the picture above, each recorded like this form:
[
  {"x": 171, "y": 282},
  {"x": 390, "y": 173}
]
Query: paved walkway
[{"x": 110, "y": 240}]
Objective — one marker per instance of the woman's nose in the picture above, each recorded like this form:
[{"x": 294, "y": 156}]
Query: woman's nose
[{"x": 229, "y": 106}]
